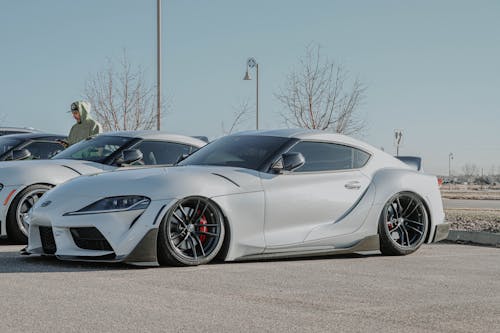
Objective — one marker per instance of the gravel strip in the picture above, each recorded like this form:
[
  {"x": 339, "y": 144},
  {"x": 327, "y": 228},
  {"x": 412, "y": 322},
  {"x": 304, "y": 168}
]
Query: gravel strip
[
  {"x": 474, "y": 220},
  {"x": 471, "y": 195}
]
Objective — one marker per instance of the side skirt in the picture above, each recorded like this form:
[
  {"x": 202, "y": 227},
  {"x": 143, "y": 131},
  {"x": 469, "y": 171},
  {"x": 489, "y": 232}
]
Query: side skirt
[{"x": 370, "y": 243}]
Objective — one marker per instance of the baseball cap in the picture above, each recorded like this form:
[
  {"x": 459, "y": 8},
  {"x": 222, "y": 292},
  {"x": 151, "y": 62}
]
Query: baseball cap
[{"x": 74, "y": 107}]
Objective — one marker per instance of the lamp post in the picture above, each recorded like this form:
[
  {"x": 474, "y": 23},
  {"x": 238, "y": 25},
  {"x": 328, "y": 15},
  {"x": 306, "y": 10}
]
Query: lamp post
[
  {"x": 450, "y": 157},
  {"x": 398, "y": 135},
  {"x": 158, "y": 64},
  {"x": 252, "y": 63}
]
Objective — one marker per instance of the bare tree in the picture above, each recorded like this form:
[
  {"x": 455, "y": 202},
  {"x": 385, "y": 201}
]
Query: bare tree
[
  {"x": 316, "y": 96},
  {"x": 240, "y": 115},
  {"x": 470, "y": 170},
  {"x": 121, "y": 99}
]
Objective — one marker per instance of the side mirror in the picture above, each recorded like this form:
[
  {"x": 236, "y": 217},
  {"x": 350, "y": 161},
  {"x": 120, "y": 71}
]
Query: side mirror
[
  {"x": 20, "y": 154},
  {"x": 289, "y": 162},
  {"x": 130, "y": 156}
]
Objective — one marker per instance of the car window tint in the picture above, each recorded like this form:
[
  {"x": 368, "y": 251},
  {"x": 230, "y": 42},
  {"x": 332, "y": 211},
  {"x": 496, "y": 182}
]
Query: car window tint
[
  {"x": 96, "y": 149},
  {"x": 158, "y": 152},
  {"x": 7, "y": 144},
  {"x": 321, "y": 156},
  {"x": 245, "y": 151},
  {"x": 10, "y": 132},
  {"x": 43, "y": 150}
]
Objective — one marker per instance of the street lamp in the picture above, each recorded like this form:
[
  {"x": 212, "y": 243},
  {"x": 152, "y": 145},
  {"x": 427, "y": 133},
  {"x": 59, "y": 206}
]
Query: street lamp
[
  {"x": 450, "y": 157},
  {"x": 158, "y": 64},
  {"x": 398, "y": 135},
  {"x": 251, "y": 63}
]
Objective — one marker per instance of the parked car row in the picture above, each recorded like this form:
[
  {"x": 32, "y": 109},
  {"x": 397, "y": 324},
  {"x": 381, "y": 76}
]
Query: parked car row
[
  {"x": 251, "y": 195},
  {"x": 149, "y": 198},
  {"x": 24, "y": 182}
]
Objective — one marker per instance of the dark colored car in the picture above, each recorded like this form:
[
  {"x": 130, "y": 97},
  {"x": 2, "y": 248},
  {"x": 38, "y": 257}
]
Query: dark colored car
[
  {"x": 36, "y": 146},
  {"x": 17, "y": 130}
]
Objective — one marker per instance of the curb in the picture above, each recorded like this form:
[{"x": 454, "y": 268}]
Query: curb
[{"x": 475, "y": 237}]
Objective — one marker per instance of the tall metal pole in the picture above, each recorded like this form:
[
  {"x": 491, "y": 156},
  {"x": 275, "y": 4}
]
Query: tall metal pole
[
  {"x": 251, "y": 63},
  {"x": 450, "y": 157},
  {"x": 257, "y": 110},
  {"x": 398, "y": 135},
  {"x": 158, "y": 63}
]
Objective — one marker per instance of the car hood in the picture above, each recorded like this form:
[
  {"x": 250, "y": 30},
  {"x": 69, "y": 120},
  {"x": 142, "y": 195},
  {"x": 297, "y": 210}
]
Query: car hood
[
  {"x": 46, "y": 171},
  {"x": 156, "y": 183}
]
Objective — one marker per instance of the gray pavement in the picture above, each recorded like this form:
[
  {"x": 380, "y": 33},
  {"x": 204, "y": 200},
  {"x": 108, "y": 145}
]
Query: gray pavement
[
  {"x": 472, "y": 204},
  {"x": 441, "y": 288}
]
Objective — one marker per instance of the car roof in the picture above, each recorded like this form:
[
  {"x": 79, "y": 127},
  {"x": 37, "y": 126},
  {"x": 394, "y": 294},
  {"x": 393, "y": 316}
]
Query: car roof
[
  {"x": 35, "y": 135},
  {"x": 158, "y": 135},
  {"x": 19, "y": 129},
  {"x": 308, "y": 134}
]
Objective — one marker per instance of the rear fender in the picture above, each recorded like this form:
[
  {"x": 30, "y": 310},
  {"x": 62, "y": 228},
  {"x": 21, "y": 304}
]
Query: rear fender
[{"x": 391, "y": 181}]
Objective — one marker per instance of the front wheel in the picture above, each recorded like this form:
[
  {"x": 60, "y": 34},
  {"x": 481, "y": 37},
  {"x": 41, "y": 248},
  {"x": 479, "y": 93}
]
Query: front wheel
[
  {"x": 403, "y": 224},
  {"x": 191, "y": 233},
  {"x": 17, "y": 230}
]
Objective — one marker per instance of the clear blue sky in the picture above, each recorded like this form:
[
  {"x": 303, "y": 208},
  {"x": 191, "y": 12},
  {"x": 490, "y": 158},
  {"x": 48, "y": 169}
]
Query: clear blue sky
[{"x": 432, "y": 67}]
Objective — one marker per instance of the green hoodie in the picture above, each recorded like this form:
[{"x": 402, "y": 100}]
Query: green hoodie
[{"x": 86, "y": 127}]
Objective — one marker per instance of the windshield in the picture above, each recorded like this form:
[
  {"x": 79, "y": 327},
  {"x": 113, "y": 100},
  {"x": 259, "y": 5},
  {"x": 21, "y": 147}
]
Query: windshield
[
  {"x": 96, "y": 149},
  {"x": 246, "y": 151},
  {"x": 7, "y": 144}
]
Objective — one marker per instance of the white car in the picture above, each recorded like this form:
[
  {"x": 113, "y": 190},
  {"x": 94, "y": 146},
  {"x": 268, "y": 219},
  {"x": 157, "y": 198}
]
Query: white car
[
  {"x": 22, "y": 183},
  {"x": 247, "y": 196}
]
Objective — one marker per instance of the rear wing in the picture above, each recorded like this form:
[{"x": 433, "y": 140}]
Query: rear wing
[{"x": 414, "y": 162}]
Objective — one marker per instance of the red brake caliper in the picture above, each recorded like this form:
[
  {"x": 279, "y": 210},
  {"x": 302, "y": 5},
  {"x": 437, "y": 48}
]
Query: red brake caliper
[{"x": 203, "y": 220}]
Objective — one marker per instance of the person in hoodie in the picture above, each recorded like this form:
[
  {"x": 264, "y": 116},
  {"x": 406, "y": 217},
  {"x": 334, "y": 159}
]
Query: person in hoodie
[{"x": 85, "y": 126}]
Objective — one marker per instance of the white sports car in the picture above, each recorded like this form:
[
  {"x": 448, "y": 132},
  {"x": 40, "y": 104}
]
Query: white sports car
[
  {"x": 22, "y": 183},
  {"x": 250, "y": 195}
]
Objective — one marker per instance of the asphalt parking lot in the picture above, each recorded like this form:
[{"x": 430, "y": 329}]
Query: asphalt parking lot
[{"x": 441, "y": 288}]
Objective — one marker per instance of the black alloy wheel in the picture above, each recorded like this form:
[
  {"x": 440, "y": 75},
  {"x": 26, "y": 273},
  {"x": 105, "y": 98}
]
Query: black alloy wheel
[
  {"x": 191, "y": 233},
  {"x": 403, "y": 224}
]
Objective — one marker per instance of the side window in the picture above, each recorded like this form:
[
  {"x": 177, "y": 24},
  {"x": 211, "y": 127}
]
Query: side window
[
  {"x": 43, "y": 150},
  {"x": 158, "y": 152},
  {"x": 321, "y": 156}
]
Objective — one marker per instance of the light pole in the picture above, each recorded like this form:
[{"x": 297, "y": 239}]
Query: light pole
[
  {"x": 450, "y": 157},
  {"x": 158, "y": 63},
  {"x": 398, "y": 135},
  {"x": 251, "y": 63}
]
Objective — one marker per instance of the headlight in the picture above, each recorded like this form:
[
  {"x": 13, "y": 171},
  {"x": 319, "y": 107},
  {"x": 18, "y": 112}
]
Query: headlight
[
  {"x": 1, "y": 187},
  {"x": 114, "y": 204}
]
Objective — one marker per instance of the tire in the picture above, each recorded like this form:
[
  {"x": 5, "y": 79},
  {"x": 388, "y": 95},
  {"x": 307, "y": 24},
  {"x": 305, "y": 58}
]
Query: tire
[
  {"x": 191, "y": 233},
  {"x": 17, "y": 231},
  {"x": 403, "y": 224}
]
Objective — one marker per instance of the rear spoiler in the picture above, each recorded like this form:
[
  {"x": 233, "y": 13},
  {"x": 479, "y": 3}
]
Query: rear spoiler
[{"x": 414, "y": 162}]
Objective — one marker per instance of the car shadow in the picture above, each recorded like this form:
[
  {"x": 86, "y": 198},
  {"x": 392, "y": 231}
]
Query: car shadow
[
  {"x": 14, "y": 262},
  {"x": 306, "y": 258}
]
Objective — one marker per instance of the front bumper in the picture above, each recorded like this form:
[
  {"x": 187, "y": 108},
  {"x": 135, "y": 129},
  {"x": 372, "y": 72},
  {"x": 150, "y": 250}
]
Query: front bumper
[
  {"x": 441, "y": 232},
  {"x": 128, "y": 236}
]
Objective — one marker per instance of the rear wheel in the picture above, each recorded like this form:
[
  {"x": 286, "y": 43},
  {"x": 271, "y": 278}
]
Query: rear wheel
[
  {"x": 17, "y": 230},
  {"x": 191, "y": 233},
  {"x": 403, "y": 224}
]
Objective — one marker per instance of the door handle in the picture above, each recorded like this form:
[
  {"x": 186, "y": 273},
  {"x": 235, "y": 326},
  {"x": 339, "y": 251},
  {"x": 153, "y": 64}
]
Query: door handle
[{"x": 354, "y": 185}]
